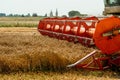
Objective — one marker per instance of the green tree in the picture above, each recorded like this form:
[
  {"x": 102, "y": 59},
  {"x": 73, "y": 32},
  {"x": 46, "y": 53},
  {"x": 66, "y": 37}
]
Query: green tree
[
  {"x": 10, "y": 15},
  {"x": 73, "y": 13},
  {"x": 34, "y": 15},
  {"x": 56, "y": 14},
  {"x": 28, "y": 15},
  {"x": 17, "y": 15},
  {"x": 22, "y": 15},
  {"x": 51, "y": 14},
  {"x": 45, "y": 15},
  {"x": 2, "y": 14}
]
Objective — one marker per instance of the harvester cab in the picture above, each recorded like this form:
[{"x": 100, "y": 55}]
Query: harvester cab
[{"x": 112, "y": 7}]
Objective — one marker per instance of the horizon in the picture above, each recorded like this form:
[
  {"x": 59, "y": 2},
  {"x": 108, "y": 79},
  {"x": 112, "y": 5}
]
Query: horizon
[{"x": 41, "y": 7}]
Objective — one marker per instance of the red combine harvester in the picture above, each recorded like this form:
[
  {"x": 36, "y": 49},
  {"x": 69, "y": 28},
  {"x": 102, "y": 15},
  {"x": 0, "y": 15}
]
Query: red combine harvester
[{"x": 104, "y": 33}]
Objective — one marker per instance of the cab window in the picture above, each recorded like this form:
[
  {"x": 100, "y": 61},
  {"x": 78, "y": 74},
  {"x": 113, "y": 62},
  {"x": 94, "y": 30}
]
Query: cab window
[{"x": 112, "y": 2}]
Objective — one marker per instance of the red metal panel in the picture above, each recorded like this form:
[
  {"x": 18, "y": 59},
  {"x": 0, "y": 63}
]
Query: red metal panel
[
  {"x": 108, "y": 44},
  {"x": 70, "y": 29}
]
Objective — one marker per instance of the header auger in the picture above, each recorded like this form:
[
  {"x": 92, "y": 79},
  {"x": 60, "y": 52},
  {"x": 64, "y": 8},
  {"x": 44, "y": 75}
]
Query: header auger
[{"x": 104, "y": 33}]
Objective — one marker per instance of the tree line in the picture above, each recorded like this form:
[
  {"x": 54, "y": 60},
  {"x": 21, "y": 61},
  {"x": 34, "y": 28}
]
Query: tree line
[
  {"x": 18, "y": 15},
  {"x": 71, "y": 13}
]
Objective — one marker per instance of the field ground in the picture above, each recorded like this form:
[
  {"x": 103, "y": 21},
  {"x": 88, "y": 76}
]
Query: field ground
[
  {"x": 73, "y": 75},
  {"x": 19, "y": 21},
  {"x": 27, "y": 55}
]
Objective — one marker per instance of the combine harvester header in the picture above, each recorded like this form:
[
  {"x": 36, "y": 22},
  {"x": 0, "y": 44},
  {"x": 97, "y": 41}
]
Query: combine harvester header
[
  {"x": 70, "y": 29},
  {"x": 104, "y": 33}
]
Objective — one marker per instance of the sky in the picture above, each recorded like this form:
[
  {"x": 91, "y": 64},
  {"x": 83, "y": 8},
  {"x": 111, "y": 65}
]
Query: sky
[{"x": 41, "y": 7}]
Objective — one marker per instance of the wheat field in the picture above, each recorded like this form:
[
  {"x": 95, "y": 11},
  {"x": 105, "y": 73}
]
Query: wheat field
[
  {"x": 26, "y": 45},
  {"x": 25, "y": 53},
  {"x": 19, "y": 21}
]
